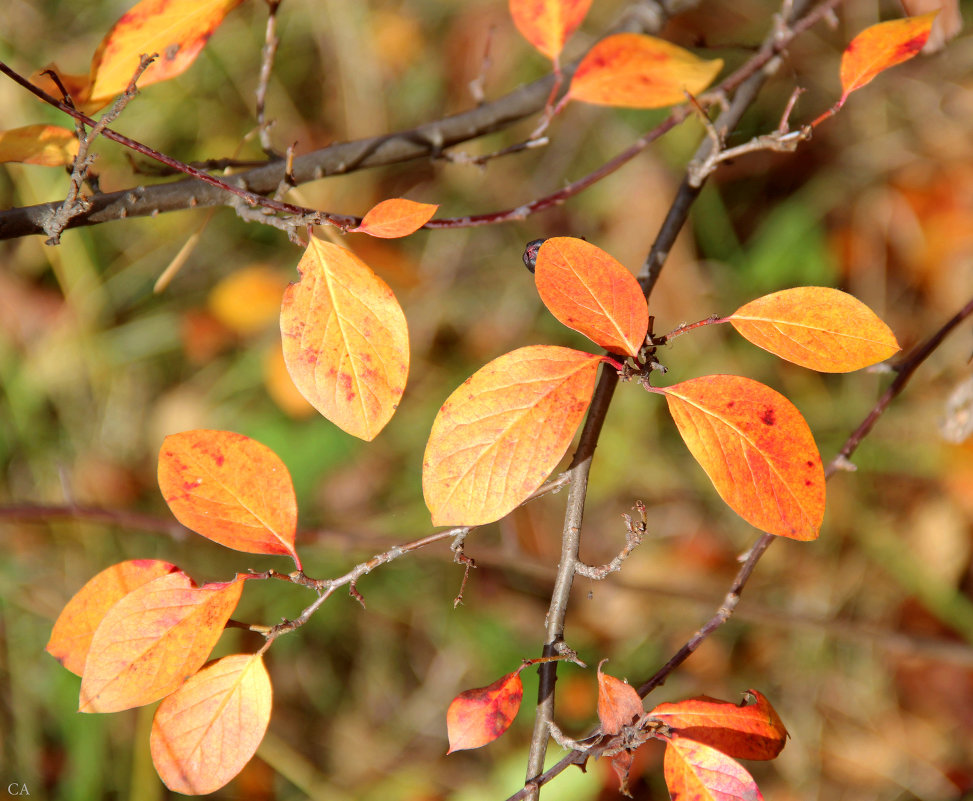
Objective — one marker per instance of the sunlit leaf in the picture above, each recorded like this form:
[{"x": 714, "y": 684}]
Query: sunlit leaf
[
  {"x": 816, "y": 327},
  {"x": 618, "y": 703},
  {"x": 394, "y": 218},
  {"x": 74, "y": 627},
  {"x": 757, "y": 450},
  {"x": 346, "y": 344},
  {"x": 207, "y": 730},
  {"x": 46, "y": 145},
  {"x": 230, "y": 489},
  {"x": 589, "y": 291},
  {"x": 548, "y": 24},
  {"x": 639, "y": 71},
  {"x": 152, "y": 639},
  {"x": 697, "y": 772},
  {"x": 503, "y": 431},
  {"x": 753, "y": 731},
  {"x": 477, "y": 717}
]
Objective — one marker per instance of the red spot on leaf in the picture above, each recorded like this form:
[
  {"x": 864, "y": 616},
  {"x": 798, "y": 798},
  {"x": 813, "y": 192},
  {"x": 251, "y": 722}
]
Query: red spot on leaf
[{"x": 768, "y": 418}]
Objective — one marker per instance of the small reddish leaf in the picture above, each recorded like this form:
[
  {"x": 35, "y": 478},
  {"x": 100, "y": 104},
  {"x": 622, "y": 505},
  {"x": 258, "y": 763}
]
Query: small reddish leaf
[
  {"x": 697, "y": 772},
  {"x": 753, "y": 731},
  {"x": 503, "y": 431},
  {"x": 816, "y": 327},
  {"x": 622, "y": 765},
  {"x": 74, "y": 627},
  {"x": 618, "y": 703},
  {"x": 207, "y": 730},
  {"x": 394, "y": 218},
  {"x": 639, "y": 71},
  {"x": 175, "y": 29},
  {"x": 881, "y": 46},
  {"x": 589, "y": 291},
  {"x": 548, "y": 24},
  {"x": 231, "y": 489},
  {"x": 346, "y": 343},
  {"x": 152, "y": 639},
  {"x": 477, "y": 717},
  {"x": 46, "y": 145},
  {"x": 757, "y": 450}
]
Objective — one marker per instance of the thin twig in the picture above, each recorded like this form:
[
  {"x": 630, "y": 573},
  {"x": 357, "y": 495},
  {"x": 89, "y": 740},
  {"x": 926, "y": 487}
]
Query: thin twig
[{"x": 271, "y": 42}]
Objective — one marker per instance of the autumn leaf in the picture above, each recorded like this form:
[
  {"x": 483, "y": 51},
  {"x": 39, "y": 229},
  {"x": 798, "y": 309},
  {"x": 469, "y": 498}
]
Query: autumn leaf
[
  {"x": 346, "y": 344},
  {"x": 548, "y": 24},
  {"x": 46, "y": 145},
  {"x": 622, "y": 765},
  {"x": 750, "y": 731},
  {"x": 395, "y": 218},
  {"x": 152, "y": 639},
  {"x": 881, "y": 46},
  {"x": 757, "y": 450},
  {"x": 74, "y": 627},
  {"x": 639, "y": 71},
  {"x": 207, "y": 730},
  {"x": 230, "y": 489},
  {"x": 247, "y": 300},
  {"x": 618, "y": 703},
  {"x": 477, "y": 717},
  {"x": 816, "y": 327},
  {"x": 503, "y": 431},
  {"x": 589, "y": 291},
  {"x": 697, "y": 772}
]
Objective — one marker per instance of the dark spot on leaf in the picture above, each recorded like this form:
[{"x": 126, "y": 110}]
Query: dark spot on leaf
[
  {"x": 731, "y": 404},
  {"x": 219, "y": 458},
  {"x": 768, "y": 417},
  {"x": 172, "y": 51}
]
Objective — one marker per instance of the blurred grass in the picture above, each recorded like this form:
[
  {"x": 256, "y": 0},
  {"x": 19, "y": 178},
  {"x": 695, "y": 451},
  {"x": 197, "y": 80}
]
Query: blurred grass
[{"x": 95, "y": 370}]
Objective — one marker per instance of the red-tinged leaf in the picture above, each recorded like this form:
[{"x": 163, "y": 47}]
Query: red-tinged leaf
[
  {"x": 618, "y": 703},
  {"x": 346, "y": 344},
  {"x": 503, "y": 431},
  {"x": 697, "y": 772},
  {"x": 881, "y": 46},
  {"x": 46, "y": 145},
  {"x": 753, "y": 731},
  {"x": 207, "y": 730},
  {"x": 152, "y": 639},
  {"x": 816, "y": 327},
  {"x": 639, "y": 71},
  {"x": 75, "y": 626},
  {"x": 77, "y": 87},
  {"x": 397, "y": 217},
  {"x": 231, "y": 489},
  {"x": 757, "y": 450},
  {"x": 548, "y": 24},
  {"x": 589, "y": 291},
  {"x": 477, "y": 717},
  {"x": 622, "y": 765}
]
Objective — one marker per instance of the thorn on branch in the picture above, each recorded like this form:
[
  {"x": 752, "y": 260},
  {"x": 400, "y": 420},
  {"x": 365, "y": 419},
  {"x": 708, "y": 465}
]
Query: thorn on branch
[{"x": 633, "y": 538}]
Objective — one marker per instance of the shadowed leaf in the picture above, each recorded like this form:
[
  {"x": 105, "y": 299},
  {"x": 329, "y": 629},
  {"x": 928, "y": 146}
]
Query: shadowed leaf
[
  {"x": 618, "y": 703},
  {"x": 477, "y": 717},
  {"x": 46, "y": 145}
]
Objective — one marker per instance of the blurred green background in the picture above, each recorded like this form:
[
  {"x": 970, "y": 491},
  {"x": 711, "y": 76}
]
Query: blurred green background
[{"x": 861, "y": 640}]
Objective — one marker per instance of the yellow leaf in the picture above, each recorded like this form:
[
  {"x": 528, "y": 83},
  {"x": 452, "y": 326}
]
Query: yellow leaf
[{"x": 47, "y": 145}]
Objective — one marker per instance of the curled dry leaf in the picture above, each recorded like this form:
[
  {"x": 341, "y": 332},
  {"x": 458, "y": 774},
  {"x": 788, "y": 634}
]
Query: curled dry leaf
[
  {"x": 591, "y": 292},
  {"x": 503, "y": 431},
  {"x": 548, "y": 24},
  {"x": 618, "y": 703},
  {"x": 230, "y": 489},
  {"x": 477, "y": 717},
  {"x": 395, "y": 218},
  {"x": 345, "y": 339},
  {"x": 816, "y": 327},
  {"x": 46, "y": 145},
  {"x": 639, "y": 71},
  {"x": 757, "y": 450},
  {"x": 697, "y": 772},
  {"x": 207, "y": 730}
]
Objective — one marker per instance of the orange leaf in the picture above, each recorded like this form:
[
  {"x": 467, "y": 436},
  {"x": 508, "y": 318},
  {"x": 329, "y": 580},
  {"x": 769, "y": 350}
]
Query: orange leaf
[
  {"x": 77, "y": 87},
  {"x": 175, "y": 29},
  {"x": 548, "y": 24},
  {"x": 502, "y": 432},
  {"x": 697, "y": 772},
  {"x": 753, "y": 731},
  {"x": 757, "y": 450},
  {"x": 247, "y": 301},
  {"x": 816, "y": 327},
  {"x": 639, "y": 71},
  {"x": 397, "y": 217},
  {"x": 231, "y": 489},
  {"x": 622, "y": 765},
  {"x": 881, "y": 46},
  {"x": 74, "y": 627},
  {"x": 345, "y": 339},
  {"x": 477, "y": 717},
  {"x": 618, "y": 703},
  {"x": 47, "y": 145},
  {"x": 152, "y": 639},
  {"x": 207, "y": 730},
  {"x": 589, "y": 291}
]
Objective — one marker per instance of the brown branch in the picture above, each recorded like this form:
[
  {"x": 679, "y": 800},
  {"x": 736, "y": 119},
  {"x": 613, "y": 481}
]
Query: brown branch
[{"x": 271, "y": 42}]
